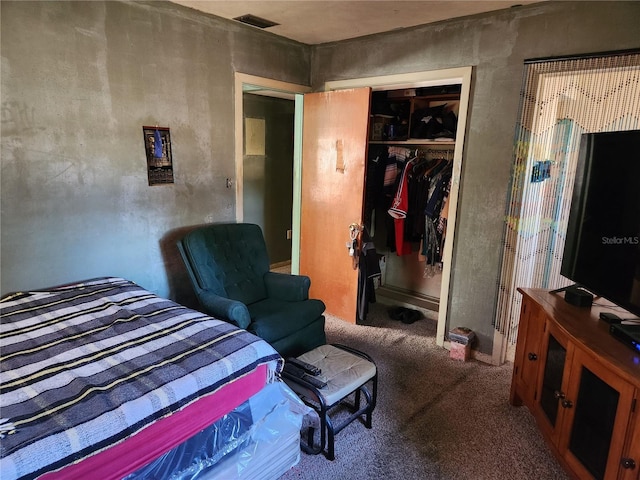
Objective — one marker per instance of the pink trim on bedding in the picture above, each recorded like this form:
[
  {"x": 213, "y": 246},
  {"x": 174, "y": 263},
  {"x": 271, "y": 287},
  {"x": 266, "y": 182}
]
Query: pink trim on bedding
[{"x": 160, "y": 437}]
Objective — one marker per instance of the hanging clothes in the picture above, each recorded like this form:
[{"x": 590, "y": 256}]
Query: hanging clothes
[
  {"x": 377, "y": 165},
  {"x": 368, "y": 271},
  {"x": 435, "y": 225},
  {"x": 419, "y": 195},
  {"x": 399, "y": 209},
  {"x": 397, "y": 157},
  {"x": 419, "y": 189}
]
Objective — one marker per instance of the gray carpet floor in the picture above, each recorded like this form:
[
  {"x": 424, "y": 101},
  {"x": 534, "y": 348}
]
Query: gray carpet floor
[{"x": 436, "y": 418}]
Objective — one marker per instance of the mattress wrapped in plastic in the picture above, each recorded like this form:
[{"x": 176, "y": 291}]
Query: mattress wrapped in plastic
[{"x": 260, "y": 439}]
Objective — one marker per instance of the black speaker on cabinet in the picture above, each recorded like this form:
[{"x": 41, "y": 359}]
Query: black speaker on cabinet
[{"x": 578, "y": 296}]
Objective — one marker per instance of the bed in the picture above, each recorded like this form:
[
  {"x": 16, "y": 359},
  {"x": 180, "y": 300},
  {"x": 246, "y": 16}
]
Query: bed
[{"x": 104, "y": 379}]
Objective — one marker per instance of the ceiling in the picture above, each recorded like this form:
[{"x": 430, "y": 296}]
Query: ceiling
[{"x": 314, "y": 22}]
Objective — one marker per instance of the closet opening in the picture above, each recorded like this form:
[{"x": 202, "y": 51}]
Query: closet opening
[
  {"x": 409, "y": 174},
  {"x": 416, "y": 120}
]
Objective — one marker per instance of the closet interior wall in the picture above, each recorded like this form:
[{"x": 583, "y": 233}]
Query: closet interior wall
[{"x": 409, "y": 169}]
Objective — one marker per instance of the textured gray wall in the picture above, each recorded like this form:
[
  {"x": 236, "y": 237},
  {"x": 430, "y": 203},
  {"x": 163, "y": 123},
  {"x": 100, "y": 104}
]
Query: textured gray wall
[
  {"x": 496, "y": 45},
  {"x": 79, "y": 80}
]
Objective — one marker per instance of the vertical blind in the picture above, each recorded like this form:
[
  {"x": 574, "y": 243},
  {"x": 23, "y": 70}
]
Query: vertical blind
[{"x": 560, "y": 100}]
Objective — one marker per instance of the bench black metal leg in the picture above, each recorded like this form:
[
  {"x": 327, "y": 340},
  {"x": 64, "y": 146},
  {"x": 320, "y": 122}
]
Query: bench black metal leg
[{"x": 330, "y": 440}]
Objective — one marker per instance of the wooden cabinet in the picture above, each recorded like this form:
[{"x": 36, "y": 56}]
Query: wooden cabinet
[{"x": 581, "y": 385}]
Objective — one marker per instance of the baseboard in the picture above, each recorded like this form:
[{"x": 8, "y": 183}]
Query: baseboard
[
  {"x": 281, "y": 267},
  {"x": 398, "y": 295}
]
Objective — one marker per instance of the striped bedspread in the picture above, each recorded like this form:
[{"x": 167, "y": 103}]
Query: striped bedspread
[{"x": 86, "y": 366}]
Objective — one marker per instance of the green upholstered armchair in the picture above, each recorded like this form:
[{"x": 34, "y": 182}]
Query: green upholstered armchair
[{"x": 229, "y": 268}]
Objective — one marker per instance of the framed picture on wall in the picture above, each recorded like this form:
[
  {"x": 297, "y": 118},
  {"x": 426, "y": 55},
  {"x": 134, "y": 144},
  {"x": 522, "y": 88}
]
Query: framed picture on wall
[{"x": 157, "y": 144}]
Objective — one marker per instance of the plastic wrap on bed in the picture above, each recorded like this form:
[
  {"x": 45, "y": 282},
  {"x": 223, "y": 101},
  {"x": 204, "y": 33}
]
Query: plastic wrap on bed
[{"x": 260, "y": 437}]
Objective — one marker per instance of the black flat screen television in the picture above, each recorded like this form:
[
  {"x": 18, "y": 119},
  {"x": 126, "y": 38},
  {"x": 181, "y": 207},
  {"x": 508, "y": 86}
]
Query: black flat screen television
[{"x": 602, "y": 248}]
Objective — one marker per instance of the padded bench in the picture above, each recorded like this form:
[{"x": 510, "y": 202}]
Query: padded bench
[{"x": 346, "y": 371}]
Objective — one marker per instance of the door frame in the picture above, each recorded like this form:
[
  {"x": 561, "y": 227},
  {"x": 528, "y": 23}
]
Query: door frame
[
  {"x": 462, "y": 76},
  {"x": 244, "y": 83}
]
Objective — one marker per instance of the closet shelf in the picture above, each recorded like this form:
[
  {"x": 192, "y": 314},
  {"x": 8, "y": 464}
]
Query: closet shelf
[{"x": 413, "y": 141}]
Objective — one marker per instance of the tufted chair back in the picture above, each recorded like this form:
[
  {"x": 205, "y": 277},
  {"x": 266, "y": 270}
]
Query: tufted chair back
[{"x": 230, "y": 260}]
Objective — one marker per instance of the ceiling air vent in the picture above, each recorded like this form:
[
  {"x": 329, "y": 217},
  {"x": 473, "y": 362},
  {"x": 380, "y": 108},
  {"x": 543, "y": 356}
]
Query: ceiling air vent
[{"x": 256, "y": 21}]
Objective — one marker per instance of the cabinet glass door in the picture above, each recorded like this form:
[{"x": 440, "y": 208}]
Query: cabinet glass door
[
  {"x": 552, "y": 380},
  {"x": 599, "y": 405},
  {"x": 593, "y": 422}
]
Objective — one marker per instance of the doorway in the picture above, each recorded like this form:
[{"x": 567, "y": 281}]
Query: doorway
[
  {"x": 268, "y": 170},
  {"x": 265, "y": 156}
]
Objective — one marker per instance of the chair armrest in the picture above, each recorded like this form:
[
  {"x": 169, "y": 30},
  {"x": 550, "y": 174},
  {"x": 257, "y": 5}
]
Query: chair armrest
[
  {"x": 290, "y": 288},
  {"x": 225, "y": 309}
]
